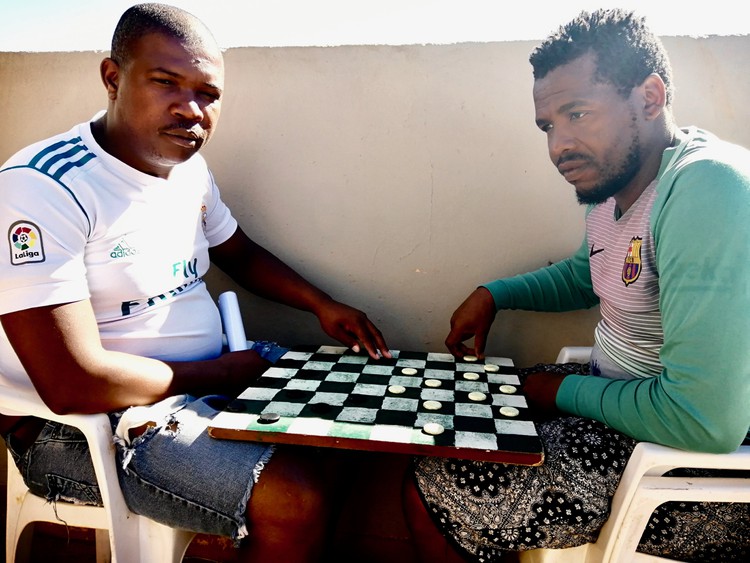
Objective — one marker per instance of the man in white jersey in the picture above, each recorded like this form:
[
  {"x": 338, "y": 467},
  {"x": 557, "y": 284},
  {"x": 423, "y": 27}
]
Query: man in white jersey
[
  {"x": 111, "y": 227},
  {"x": 667, "y": 257}
]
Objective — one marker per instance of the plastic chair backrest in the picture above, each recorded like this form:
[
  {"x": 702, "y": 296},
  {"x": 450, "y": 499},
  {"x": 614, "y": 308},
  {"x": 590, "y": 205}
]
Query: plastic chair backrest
[{"x": 644, "y": 487}]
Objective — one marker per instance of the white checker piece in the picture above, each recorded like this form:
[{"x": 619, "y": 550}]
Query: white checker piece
[
  {"x": 445, "y": 420},
  {"x": 433, "y": 428}
]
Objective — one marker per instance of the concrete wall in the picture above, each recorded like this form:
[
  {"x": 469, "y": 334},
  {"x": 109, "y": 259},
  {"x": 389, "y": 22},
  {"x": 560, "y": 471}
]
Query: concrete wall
[{"x": 397, "y": 178}]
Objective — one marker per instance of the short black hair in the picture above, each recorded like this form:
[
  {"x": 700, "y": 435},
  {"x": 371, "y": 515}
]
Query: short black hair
[
  {"x": 142, "y": 19},
  {"x": 625, "y": 49}
]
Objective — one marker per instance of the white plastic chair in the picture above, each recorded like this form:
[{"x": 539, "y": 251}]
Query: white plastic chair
[
  {"x": 121, "y": 536},
  {"x": 574, "y": 354},
  {"x": 644, "y": 487}
]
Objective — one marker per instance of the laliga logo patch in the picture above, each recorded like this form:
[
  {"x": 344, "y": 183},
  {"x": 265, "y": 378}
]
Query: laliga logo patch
[
  {"x": 25, "y": 243},
  {"x": 204, "y": 217},
  {"x": 632, "y": 268}
]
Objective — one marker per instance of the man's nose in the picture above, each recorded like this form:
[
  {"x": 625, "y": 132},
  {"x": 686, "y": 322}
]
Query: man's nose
[
  {"x": 559, "y": 142},
  {"x": 189, "y": 110}
]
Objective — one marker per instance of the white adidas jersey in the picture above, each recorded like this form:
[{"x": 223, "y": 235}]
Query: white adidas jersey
[{"x": 81, "y": 224}]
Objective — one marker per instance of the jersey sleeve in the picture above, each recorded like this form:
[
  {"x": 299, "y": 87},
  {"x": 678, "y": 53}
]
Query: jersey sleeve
[
  {"x": 220, "y": 223},
  {"x": 563, "y": 286},
  {"x": 700, "y": 400},
  {"x": 42, "y": 259}
]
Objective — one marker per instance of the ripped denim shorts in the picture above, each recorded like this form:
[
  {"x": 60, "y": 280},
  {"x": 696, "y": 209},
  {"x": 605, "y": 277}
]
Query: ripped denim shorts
[{"x": 174, "y": 473}]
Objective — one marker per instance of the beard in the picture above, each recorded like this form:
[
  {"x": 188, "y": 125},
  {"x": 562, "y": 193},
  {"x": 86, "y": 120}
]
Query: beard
[{"x": 613, "y": 180}]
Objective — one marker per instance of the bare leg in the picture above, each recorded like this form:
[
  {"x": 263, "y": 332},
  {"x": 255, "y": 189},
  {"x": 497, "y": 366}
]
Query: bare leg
[
  {"x": 431, "y": 545},
  {"x": 291, "y": 509}
]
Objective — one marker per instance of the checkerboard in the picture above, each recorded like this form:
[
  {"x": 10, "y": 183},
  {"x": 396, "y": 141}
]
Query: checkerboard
[{"x": 331, "y": 397}]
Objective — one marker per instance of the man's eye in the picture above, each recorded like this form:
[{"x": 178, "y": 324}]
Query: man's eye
[
  {"x": 577, "y": 115},
  {"x": 211, "y": 96}
]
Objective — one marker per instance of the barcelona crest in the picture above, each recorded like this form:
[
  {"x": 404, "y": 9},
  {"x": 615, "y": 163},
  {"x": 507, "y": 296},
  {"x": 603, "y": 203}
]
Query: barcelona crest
[{"x": 632, "y": 267}]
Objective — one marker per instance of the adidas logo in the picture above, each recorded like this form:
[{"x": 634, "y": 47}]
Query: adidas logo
[{"x": 122, "y": 250}]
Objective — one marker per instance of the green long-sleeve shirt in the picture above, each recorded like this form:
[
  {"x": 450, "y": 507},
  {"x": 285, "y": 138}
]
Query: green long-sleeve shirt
[{"x": 696, "y": 250}]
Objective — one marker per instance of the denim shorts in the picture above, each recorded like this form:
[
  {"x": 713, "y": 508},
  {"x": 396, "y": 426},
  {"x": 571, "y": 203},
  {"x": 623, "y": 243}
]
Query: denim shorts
[{"x": 174, "y": 473}]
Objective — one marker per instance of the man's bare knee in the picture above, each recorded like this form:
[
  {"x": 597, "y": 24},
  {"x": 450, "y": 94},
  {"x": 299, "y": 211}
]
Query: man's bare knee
[{"x": 292, "y": 490}]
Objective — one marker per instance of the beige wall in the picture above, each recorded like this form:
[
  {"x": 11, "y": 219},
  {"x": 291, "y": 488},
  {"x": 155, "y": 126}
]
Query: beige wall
[{"x": 397, "y": 178}]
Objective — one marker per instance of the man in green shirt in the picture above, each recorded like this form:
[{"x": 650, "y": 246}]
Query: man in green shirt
[{"x": 667, "y": 257}]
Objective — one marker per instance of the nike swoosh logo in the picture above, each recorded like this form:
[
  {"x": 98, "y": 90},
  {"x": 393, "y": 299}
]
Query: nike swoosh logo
[{"x": 597, "y": 251}]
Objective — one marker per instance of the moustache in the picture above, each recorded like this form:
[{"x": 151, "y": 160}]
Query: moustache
[{"x": 567, "y": 157}]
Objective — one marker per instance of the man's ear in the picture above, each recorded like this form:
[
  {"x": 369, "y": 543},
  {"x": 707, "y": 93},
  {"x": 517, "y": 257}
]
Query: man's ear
[
  {"x": 109, "y": 71},
  {"x": 654, "y": 96}
]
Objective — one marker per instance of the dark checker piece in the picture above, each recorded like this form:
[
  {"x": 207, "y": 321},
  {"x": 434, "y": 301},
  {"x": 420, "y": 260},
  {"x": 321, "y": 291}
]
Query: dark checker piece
[
  {"x": 269, "y": 418},
  {"x": 329, "y": 396}
]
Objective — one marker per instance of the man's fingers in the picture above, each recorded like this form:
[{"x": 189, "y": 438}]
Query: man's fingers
[
  {"x": 480, "y": 341},
  {"x": 374, "y": 341},
  {"x": 367, "y": 336},
  {"x": 458, "y": 349}
]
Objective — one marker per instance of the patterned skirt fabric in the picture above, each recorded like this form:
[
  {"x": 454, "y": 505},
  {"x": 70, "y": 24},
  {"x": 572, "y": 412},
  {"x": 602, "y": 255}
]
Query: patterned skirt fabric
[{"x": 487, "y": 509}]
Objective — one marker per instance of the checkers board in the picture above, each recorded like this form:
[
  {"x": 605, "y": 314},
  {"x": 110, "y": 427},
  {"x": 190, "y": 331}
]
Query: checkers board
[{"x": 328, "y": 396}]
